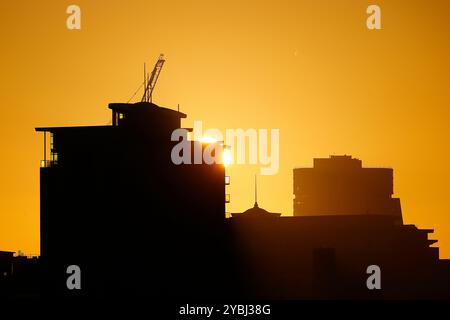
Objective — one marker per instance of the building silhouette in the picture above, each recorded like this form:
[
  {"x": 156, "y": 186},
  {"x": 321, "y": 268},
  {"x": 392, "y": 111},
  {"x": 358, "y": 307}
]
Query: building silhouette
[
  {"x": 19, "y": 276},
  {"x": 114, "y": 203},
  {"x": 139, "y": 226},
  {"x": 6, "y": 260},
  {"x": 340, "y": 185},
  {"x": 344, "y": 221}
]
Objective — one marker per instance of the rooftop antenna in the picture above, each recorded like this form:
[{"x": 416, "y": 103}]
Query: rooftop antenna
[
  {"x": 150, "y": 82},
  {"x": 145, "y": 82},
  {"x": 256, "y": 192}
]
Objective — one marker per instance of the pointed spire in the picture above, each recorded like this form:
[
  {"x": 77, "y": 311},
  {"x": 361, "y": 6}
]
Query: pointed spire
[{"x": 256, "y": 192}]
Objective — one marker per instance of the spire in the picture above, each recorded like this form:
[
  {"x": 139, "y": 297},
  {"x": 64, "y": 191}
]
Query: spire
[
  {"x": 256, "y": 211},
  {"x": 256, "y": 193}
]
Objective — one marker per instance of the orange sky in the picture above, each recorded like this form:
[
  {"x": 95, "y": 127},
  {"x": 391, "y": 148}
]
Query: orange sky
[{"x": 310, "y": 68}]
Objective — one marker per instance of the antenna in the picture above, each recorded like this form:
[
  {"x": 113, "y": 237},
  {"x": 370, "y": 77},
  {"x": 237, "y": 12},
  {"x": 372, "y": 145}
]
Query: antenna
[
  {"x": 150, "y": 82},
  {"x": 256, "y": 192},
  {"x": 145, "y": 82}
]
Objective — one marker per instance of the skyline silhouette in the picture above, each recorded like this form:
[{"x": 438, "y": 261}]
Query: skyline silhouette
[
  {"x": 116, "y": 208},
  {"x": 329, "y": 121},
  {"x": 311, "y": 69}
]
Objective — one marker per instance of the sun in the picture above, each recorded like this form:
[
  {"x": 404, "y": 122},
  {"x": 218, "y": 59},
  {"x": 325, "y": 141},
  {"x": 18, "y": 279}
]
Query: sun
[
  {"x": 226, "y": 157},
  {"x": 226, "y": 154},
  {"x": 207, "y": 139}
]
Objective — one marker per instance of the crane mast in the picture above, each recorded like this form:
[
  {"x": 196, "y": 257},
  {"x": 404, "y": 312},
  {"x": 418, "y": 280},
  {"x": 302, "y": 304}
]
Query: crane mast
[{"x": 149, "y": 83}]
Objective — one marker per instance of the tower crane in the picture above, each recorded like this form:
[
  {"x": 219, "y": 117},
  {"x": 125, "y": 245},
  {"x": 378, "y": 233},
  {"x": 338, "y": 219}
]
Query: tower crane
[{"x": 149, "y": 83}]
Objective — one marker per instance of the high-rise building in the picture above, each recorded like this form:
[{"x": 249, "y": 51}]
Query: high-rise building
[
  {"x": 339, "y": 185},
  {"x": 112, "y": 198}
]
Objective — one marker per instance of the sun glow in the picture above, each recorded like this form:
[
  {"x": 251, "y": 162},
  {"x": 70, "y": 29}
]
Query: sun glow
[
  {"x": 207, "y": 139},
  {"x": 226, "y": 157}
]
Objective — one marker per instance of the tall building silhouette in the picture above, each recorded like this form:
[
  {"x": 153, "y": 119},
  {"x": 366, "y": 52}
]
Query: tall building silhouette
[
  {"x": 113, "y": 202},
  {"x": 339, "y": 185}
]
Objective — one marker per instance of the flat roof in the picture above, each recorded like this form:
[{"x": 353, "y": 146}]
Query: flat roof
[
  {"x": 148, "y": 106},
  {"x": 44, "y": 129}
]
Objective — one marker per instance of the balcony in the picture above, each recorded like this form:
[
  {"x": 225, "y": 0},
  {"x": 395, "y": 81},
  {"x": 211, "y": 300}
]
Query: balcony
[{"x": 48, "y": 163}]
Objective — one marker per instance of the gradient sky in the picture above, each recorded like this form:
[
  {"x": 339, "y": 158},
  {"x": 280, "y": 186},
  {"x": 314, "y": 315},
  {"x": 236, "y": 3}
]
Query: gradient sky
[{"x": 310, "y": 68}]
